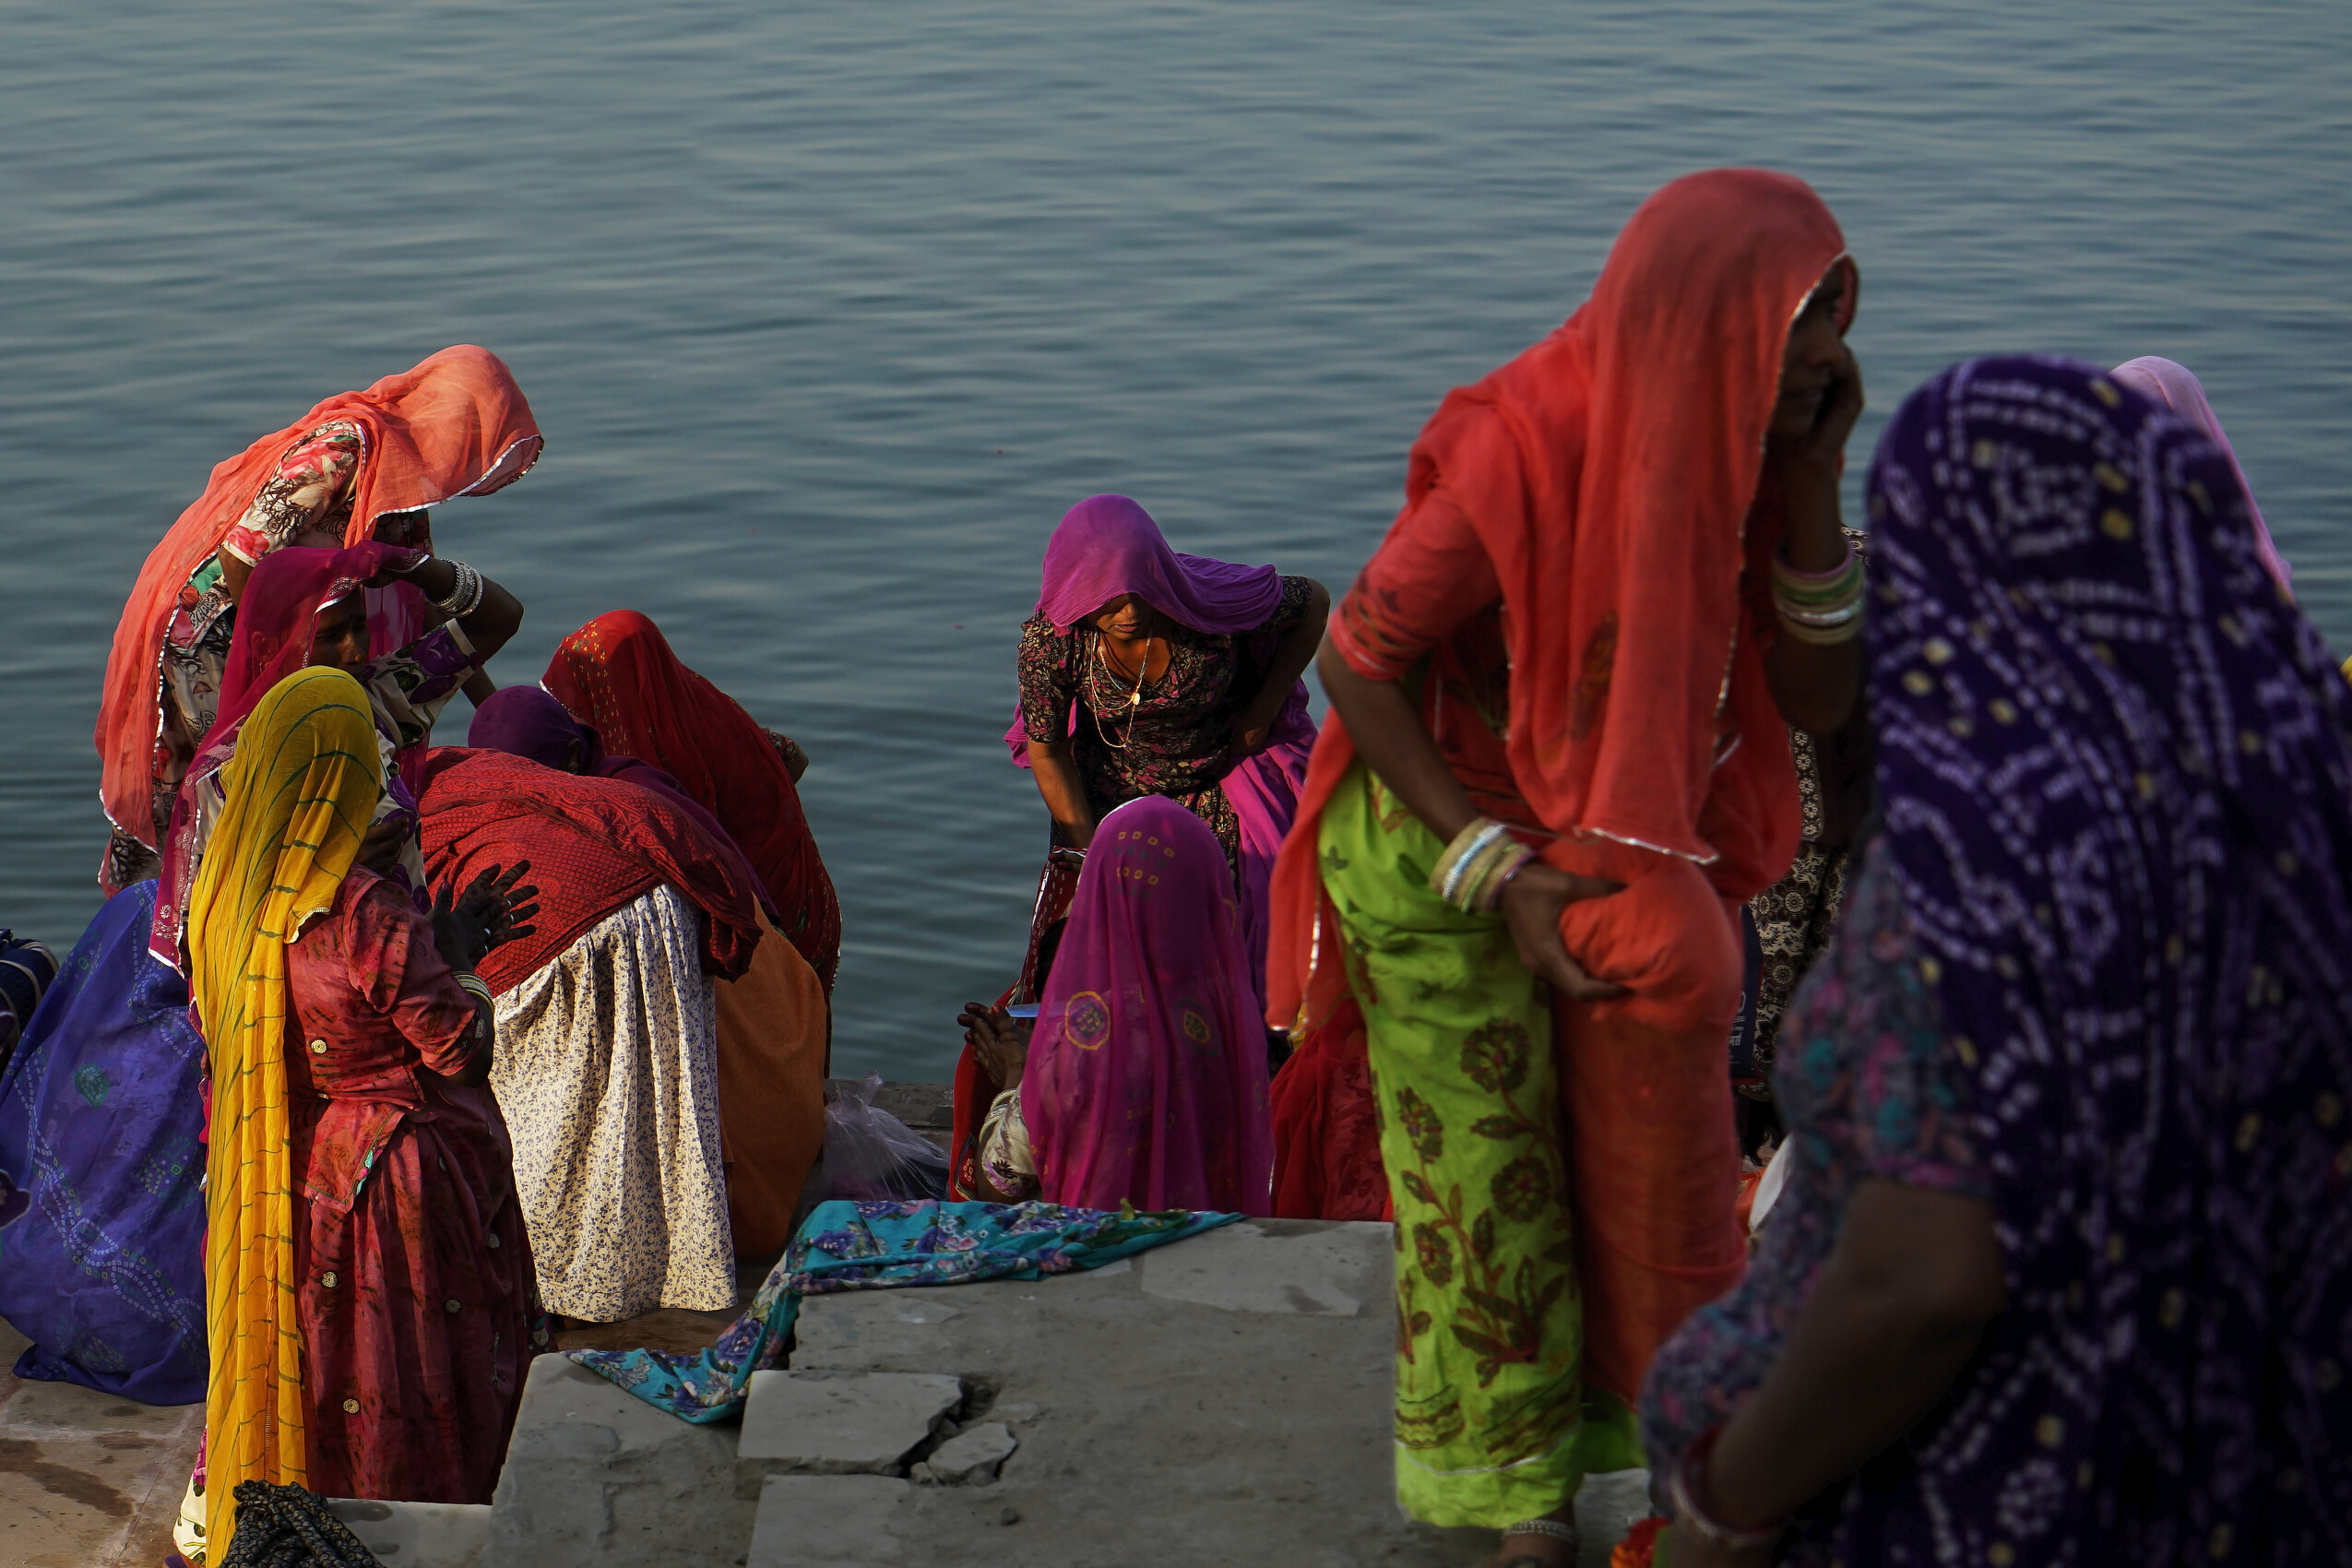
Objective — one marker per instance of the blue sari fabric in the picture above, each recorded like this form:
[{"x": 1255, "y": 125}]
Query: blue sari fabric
[
  {"x": 101, "y": 1210},
  {"x": 874, "y": 1246}
]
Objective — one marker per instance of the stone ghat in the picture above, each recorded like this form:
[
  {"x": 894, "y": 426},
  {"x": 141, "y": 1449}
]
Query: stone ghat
[{"x": 1222, "y": 1400}]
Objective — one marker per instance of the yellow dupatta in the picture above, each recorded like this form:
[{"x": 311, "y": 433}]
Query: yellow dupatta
[{"x": 301, "y": 790}]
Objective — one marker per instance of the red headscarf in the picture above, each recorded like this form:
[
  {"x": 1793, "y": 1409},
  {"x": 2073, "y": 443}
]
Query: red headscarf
[
  {"x": 454, "y": 426},
  {"x": 1612, "y": 473},
  {"x": 593, "y": 845},
  {"x": 618, "y": 673}
]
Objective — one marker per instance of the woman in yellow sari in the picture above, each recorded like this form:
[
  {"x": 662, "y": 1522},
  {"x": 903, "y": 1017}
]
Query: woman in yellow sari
[{"x": 324, "y": 1238}]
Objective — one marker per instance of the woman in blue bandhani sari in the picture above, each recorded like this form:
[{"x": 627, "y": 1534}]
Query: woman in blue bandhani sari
[
  {"x": 101, "y": 1219},
  {"x": 2062, "y": 1272}
]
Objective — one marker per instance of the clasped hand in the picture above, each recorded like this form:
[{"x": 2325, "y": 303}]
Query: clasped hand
[{"x": 1531, "y": 906}]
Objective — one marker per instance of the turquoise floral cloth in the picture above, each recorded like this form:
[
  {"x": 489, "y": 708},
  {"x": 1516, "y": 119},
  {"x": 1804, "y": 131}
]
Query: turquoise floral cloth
[{"x": 875, "y": 1246}]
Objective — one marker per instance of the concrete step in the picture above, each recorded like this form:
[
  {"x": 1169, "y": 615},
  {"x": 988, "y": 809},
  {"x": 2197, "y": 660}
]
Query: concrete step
[
  {"x": 1226, "y": 1400},
  {"x": 418, "y": 1535}
]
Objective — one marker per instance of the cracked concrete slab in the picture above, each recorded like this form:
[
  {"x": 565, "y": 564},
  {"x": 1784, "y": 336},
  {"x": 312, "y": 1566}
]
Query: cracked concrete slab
[
  {"x": 837, "y": 1423},
  {"x": 596, "y": 1475}
]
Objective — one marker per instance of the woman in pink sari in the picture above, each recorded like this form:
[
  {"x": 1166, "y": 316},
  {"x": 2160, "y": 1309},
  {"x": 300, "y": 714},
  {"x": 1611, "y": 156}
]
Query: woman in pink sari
[{"x": 1145, "y": 1080}]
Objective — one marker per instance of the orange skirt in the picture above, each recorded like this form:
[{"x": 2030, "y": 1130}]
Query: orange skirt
[{"x": 774, "y": 1033}]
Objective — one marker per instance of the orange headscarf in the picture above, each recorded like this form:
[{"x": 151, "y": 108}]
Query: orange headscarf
[
  {"x": 454, "y": 426},
  {"x": 1612, "y": 473}
]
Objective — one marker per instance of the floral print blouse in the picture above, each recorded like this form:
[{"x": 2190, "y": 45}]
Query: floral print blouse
[
  {"x": 1176, "y": 741},
  {"x": 1865, "y": 1092}
]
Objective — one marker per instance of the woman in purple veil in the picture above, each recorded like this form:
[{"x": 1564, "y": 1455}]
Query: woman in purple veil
[
  {"x": 1144, "y": 671},
  {"x": 2059, "y": 1274},
  {"x": 1148, "y": 673}
]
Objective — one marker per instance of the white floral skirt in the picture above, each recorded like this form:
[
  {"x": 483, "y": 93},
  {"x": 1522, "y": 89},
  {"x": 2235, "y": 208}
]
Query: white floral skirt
[{"x": 607, "y": 1071}]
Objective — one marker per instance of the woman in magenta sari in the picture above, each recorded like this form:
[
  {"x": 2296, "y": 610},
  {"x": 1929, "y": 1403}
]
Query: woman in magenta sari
[
  {"x": 1146, "y": 1081},
  {"x": 1147, "y": 672}
]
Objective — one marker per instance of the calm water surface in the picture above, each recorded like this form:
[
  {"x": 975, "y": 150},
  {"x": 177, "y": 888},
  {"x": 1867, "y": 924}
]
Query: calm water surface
[{"x": 829, "y": 312}]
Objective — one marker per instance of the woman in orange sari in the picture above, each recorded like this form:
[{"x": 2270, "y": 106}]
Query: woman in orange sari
[
  {"x": 360, "y": 468},
  {"x": 1556, "y": 759}
]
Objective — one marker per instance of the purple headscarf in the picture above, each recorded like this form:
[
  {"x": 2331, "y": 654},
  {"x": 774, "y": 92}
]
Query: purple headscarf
[
  {"x": 2173, "y": 386},
  {"x": 527, "y": 721},
  {"x": 1107, "y": 546},
  {"x": 2117, "y": 788},
  {"x": 1146, "y": 1081}
]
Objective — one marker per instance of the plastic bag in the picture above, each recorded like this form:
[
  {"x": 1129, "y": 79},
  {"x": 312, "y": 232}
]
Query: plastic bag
[{"x": 872, "y": 1156}]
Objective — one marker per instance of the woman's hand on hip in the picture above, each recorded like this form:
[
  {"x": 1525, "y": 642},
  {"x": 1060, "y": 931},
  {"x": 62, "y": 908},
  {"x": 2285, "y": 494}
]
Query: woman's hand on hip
[{"x": 1531, "y": 903}]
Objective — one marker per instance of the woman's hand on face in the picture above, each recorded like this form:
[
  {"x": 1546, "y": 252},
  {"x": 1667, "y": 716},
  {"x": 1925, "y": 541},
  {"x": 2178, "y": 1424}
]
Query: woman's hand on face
[
  {"x": 1531, "y": 905},
  {"x": 1821, "y": 448},
  {"x": 999, "y": 1039}
]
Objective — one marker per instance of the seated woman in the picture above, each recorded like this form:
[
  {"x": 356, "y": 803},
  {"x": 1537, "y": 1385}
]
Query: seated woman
[
  {"x": 1146, "y": 1081},
  {"x": 101, "y": 1264},
  {"x": 305, "y": 608},
  {"x": 368, "y": 1278},
  {"x": 774, "y": 1022},
  {"x": 361, "y": 467},
  {"x": 608, "y": 1064},
  {"x": 618, "y": 674},
  {"x": 2059, "y": 1261}
]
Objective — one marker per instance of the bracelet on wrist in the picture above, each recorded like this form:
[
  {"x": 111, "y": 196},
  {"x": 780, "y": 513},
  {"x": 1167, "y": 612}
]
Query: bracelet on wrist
[
  {"x": 464, "y": 595},
  {"x": 1820, "y": 608},
  {"x": 1474, "y": 869},
  {"x": 1686, "y": 1482}
]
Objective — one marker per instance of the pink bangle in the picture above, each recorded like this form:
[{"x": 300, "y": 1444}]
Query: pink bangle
[{"x": 1780, "y": 565}]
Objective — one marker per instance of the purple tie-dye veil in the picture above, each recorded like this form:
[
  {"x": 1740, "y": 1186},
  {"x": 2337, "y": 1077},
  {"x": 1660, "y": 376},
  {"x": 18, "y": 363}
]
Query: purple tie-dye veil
[
  {"x": 1107, "y": 545},
  {"x": 1147, "y": 1079},
  {"x": 2117, "y": 792}
]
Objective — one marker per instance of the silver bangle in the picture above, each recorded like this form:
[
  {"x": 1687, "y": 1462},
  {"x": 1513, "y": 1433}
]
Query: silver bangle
[
  {"x": 464, "y": 594},
  {"x": 1554, "y": 1529},
  {"x": 472, "y": 983}
]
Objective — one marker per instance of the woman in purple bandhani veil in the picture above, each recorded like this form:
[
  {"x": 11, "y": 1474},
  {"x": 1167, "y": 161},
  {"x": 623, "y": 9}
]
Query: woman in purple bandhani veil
[
  {"x": 2162, "y": 381},
  {"x": 1148, "y": 673},
  {"x": 2062, "y": 1271},
  {"x": 1145, "y": 1080}
]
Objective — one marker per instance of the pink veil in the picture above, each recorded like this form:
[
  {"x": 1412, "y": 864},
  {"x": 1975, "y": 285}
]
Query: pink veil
[
  {"x": 2176, "y": 388},
  {"x": 1147, "y": 1079}
]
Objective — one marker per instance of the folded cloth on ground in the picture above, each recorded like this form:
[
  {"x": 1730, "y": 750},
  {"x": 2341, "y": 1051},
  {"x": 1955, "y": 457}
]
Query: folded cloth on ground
[{"x": 873, "y": 1246}]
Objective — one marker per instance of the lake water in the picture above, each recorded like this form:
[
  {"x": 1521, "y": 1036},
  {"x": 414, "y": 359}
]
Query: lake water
[{"x": 829, "y": 312}]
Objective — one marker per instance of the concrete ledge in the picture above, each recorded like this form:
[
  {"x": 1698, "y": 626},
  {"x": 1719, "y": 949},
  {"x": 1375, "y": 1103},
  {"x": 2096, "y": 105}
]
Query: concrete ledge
[
  {"x": 827, "y": 1522},
  {"x": 418, "y": 1535},
  {"x": 596, "y": 1475}
]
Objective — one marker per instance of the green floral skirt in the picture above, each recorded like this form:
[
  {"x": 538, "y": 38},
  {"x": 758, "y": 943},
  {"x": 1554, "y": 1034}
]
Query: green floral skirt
[{"x": 1491, "y": 1422}]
